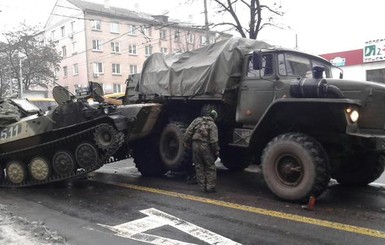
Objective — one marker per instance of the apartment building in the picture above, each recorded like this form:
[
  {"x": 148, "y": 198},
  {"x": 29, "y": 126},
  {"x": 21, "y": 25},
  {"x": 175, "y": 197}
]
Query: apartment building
[{"x": 105, "y": 44}]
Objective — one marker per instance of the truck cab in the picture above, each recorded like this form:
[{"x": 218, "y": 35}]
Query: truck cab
[{"x": 267, "y": 75}]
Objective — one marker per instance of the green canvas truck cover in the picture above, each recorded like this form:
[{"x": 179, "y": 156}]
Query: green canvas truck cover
[{"x": 205, "y": 71}]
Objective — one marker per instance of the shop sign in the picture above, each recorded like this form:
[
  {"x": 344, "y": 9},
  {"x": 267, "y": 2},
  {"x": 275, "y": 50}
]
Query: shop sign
[
  {"x": 338, "y": 61},
  {"x": 374, "y": 50}
]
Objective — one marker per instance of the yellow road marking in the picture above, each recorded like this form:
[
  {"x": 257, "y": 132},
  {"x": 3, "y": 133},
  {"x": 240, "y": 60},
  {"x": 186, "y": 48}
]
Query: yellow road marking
[{"x": 276, "y": 214}]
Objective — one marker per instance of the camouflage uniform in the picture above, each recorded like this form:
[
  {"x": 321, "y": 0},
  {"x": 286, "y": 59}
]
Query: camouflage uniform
[{"x": 203, "y": 134}]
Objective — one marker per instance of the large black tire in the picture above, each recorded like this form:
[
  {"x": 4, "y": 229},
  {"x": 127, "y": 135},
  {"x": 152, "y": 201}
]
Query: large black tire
[
  {"x": 173, "y": 154},
  {"x": 361, "y": 170},
  {"x": 295, "y": 167},
  {"x": 234, "y": 159},
  {"x": 147, "y": 158}
]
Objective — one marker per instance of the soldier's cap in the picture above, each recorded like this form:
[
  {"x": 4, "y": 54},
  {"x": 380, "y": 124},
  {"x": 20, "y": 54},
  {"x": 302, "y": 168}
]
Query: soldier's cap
[{"x": 213, "y": 114}]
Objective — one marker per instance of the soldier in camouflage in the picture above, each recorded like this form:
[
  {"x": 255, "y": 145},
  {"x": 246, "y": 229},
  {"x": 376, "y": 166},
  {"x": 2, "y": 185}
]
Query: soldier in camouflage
[{"x": 202, "y": 135}]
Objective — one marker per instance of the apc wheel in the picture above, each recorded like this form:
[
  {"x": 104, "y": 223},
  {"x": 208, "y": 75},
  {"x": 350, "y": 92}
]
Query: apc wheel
[
  {"x": 147, "y": 158},
  {"x": 172, "y": 152},
  {"x": 16, "y": 172},
  {"x": 105, "y": 136},
  {"x": 86, "y": 155},
  {"x": 63, "y": 163},
  {"x": 295, "y": 167},
  {"x": 39, "y": 168},
  {"x": 361, "y": 170}
]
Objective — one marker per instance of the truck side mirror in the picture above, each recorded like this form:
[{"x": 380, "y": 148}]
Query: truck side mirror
[{"x": 257, "y": 60}]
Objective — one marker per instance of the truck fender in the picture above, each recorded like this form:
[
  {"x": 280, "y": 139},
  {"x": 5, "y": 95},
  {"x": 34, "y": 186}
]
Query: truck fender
[{"x": 310, "y": 115}]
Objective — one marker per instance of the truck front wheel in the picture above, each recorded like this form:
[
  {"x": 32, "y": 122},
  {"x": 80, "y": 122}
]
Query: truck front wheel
[{"x": 295, "y": 167}]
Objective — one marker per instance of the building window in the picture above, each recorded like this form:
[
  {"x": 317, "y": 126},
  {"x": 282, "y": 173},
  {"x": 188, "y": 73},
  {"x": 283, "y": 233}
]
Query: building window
[
  {"x": 131, "y": 29},
  {"x": 117, "y": 88},
  {"x": 65, "y": 71},
  {"x": 177, "y": 36},
  {"x": 163, "y": 50},
  {"x": 74, "y": 47},
  {"x": 133, "y": 69},
  {"x": 63, "y": 31},
  {"x": 163, "y": 34},
  {"x": 97, "y": 45},
  {"x": 147, "y": 31},
  {"x": 96, "y": 25},
  {"x": 64, "y": 51},
  {"x": 203, "y": 41},
  {"x": 72, "y": 26},
  {"x": 190, "y": 38},
  {"x": 53, "y": 35},
  {"x": 115, "y": 47},
  {"x": 377, "y": 75},
  {"x": 98, "y": 68},
  {"x": 132, "y": 49},
  {"x": 148, "y": 50},
  {"x": 75, "y": 69},
  {"x": 115, "y": 27},
  {"x": 116, "y": 69}
]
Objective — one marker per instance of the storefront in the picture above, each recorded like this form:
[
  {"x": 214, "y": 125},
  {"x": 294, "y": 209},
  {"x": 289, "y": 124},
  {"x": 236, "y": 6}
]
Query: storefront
[{"x": 367, "y": 63}]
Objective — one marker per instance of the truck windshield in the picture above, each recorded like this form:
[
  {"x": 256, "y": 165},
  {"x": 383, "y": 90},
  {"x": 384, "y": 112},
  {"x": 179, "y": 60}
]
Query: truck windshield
[{"x": 292, "y": 64}]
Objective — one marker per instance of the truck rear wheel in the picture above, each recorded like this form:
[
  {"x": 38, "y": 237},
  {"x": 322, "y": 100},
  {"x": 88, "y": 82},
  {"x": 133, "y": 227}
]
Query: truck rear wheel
[
  {"x": 361, "y": 170},
  {"x": 295, "y": 167},
  {"x": 172, "y": 152},
  {"x": 147, "y": 158}
]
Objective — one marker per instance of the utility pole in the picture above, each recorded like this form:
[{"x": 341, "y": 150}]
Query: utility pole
[
  {"x": 10, "y": 77},
  {"x": 21, "y": 77},
  {"x": 206, "y": 22}
]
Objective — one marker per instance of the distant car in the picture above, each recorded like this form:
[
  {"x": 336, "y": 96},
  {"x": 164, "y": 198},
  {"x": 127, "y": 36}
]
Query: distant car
[{"x": 44, "y": 104}]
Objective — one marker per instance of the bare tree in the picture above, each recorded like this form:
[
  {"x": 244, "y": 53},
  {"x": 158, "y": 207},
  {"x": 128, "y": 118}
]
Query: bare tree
[
  {"x": 26, "y": 57},
  {"x": 259, "y": 16}
]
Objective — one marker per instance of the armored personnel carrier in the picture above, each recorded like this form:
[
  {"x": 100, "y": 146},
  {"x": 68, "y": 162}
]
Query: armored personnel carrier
[{"x": 69, "y": 141}]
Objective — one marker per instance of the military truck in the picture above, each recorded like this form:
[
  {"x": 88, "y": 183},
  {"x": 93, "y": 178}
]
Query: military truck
[
  {"x": 74, "y": 138},
  {"x": 277, "y": 107}
]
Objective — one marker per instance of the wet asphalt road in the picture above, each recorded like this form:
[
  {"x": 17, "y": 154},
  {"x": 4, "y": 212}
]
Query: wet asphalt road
[{"x": 116, "y": 200}]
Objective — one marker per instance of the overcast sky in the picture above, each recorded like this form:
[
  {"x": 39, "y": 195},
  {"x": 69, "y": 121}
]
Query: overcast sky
[{"x": 321, "y": 26}]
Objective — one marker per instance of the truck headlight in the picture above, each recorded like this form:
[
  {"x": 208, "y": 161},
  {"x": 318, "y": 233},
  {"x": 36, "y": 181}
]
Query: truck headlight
[{"x": 353, "y": 115}]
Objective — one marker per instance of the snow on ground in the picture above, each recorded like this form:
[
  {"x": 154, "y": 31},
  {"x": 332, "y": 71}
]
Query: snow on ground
[{"x": 15, "y": 230}]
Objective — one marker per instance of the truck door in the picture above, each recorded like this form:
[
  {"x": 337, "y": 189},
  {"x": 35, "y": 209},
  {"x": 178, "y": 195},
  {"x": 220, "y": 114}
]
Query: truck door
[{"x": 256, "y": 91}]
